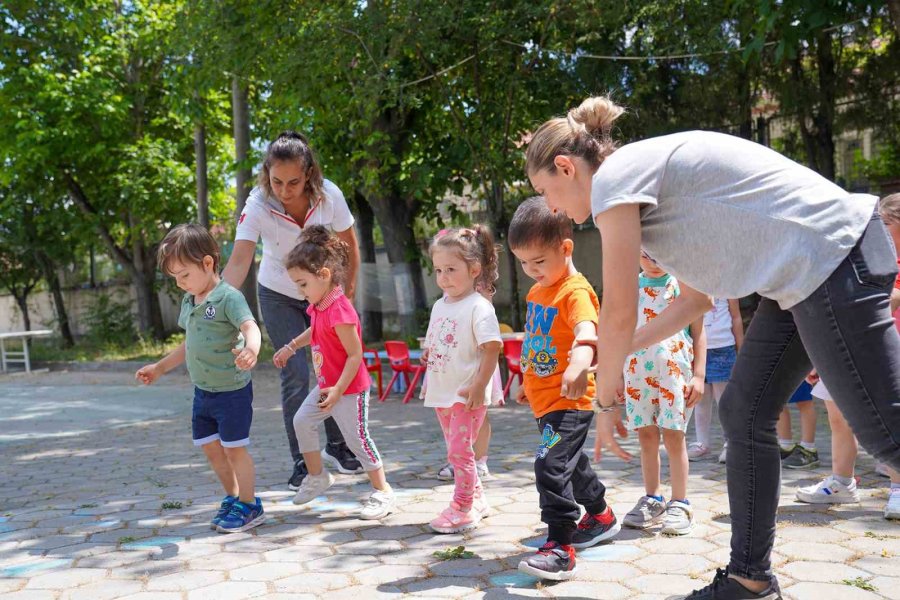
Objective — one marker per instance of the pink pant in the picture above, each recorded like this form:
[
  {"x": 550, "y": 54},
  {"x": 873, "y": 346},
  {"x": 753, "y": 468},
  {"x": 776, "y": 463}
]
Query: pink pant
[{"x": 461, "y": 427}]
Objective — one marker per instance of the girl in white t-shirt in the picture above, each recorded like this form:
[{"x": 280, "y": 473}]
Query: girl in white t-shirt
[{"x": 462, "y": 347}]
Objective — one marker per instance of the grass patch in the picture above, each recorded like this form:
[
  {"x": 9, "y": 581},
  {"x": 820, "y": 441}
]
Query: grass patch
[
  {"x": 454, "y": 553},
  {"x": 860, "y": 583},
  {"x": 170, "y": 505},
  {"x": 126, "y": 540},
  {"x": 875, "y": 536}
]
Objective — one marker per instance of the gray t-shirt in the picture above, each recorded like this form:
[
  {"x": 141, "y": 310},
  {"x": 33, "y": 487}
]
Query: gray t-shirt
[{"x": 730, "y": 217}]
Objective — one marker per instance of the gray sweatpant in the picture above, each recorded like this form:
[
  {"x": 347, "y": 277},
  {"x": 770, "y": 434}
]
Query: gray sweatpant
[{"x": 351, "y": 413}]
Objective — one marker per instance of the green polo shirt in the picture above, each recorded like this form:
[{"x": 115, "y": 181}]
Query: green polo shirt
[{"x": 212, "y": 330}]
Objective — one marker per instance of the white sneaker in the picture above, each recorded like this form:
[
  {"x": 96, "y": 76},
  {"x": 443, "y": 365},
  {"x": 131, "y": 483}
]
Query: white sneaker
[
  {"x": 723, "y": 455},
  {"x": 829, "y": 491},
  {"x": 482, "y": 470},
  {"x": 313, "y": 486},
  {"x": 480, "y": 503},
  {"x": 646, "y": 513},
  {"x": 679, "y": 518},
  {"x": 696, "y": 451},
  {"x": 892, "y": 508},
  {"x": 379, "y": 504},
  {"x": 446, "y": 473}
]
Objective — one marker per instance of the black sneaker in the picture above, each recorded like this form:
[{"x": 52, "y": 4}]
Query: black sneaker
[
  {"x": 341, "y": 459},
  {"x": 787, "y": 452},
  {"x": 801, "y": 458},
  {"x": 724, "y": 587},
  {"x": 593, "y": 529},
  {"x": 552, "y": 561},
  {"x": 299, "y": 474}
]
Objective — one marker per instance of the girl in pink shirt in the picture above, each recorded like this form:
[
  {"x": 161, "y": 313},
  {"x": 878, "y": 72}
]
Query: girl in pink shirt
[{"x": 318, "y": 265}]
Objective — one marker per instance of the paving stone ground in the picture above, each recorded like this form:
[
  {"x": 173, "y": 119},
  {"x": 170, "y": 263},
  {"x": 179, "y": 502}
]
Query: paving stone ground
[{"x": 103, "y": 496}]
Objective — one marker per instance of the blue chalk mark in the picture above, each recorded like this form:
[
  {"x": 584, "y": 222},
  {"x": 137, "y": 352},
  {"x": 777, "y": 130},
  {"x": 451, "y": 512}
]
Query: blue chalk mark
[
  {"x": 154, "y": 542},
  {"x": 109, "y": 523},
  {"x": 608, "y": 552},
  {"x": 334, "y": 507},
  {"x": 25, "y": 569},
  {"x": 535, "y": 542},
  {"x": 515, "y": 580},
  {"x": 4, "y": 519},
  {"x": 5, "y": 529}
]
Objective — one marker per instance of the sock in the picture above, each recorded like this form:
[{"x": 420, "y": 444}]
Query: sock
[
  {"x": 785, "y": 444},
  {"x": 811, "y": 446},
  {"x": 658, "y": 498},
  {"x": 685, "y": 501},
  {"x": 842, "y": 480},
  {"x": 482, "y": 460}
]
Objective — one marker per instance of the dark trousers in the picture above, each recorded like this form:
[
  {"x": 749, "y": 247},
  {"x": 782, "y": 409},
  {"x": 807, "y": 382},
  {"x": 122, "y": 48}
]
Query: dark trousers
[
  {"x": 285, "y": 319},
  {"x": 846, "y": 331},
  {"x": 563, "y": 473}
]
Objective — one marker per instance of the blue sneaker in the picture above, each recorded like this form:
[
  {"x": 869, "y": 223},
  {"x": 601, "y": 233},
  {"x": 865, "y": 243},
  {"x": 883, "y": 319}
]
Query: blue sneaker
[
  {"x": 242, "y": 517},
  {"x": 224, "y": 509}
]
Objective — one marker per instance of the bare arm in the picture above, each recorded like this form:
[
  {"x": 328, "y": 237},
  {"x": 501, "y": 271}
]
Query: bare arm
[
  {"x": 689, "y": 306},
  {"x": 474, "y": 392},
  {"x": 620, "y": 230},
  {"x": 575, "y": 378},
  {"x": 349, "y": 237},
  {"x": 172, "y": 359},
  {"x": 895, "y": 300},
  {"x": 238, "y": 266},
  {"x": 737, "y": 323}
]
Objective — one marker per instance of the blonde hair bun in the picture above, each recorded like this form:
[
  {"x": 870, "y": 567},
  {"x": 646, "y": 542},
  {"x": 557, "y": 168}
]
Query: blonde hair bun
[{"x": 597, "y": 114}]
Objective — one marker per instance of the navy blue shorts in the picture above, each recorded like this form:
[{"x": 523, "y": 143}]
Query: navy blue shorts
[
  {"x": 802, "y": 393},
  {"x": 719, "y": 362},
  {"x": 224, "y": 416}
]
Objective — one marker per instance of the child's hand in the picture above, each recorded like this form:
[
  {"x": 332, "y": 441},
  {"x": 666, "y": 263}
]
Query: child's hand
[
  {"x": 283, "y": 355},
  {"x": 607, "y": 422},
  {"x": 693, "y": 393},
  {"x": 574, "y": 382},
  {"x": 474, "y": 397},
  {"x": 520, "y": 395},
  {"x": 328, "y": 398},
  {"x": 424, "y": 359},
  {"x": 813, "y": 377},
  {"x": 148, "y": 373},
  {"x": 244, "y": 359}
]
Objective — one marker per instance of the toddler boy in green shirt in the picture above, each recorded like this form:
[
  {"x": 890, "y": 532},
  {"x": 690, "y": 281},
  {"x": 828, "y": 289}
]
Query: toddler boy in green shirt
[{"x": 221, "y": 344}]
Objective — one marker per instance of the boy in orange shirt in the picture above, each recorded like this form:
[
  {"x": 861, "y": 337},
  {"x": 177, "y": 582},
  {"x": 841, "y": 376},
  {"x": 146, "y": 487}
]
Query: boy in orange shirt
[{"x": 562, "y": 305}]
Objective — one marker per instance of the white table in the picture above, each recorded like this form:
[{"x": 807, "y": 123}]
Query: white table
[{"x": 18, "y": 356}]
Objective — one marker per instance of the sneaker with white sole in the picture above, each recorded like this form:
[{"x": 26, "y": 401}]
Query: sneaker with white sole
[
  {"x": 242, "y": 516},
  {"x": 679, "y": 518},
  {"x": 551, "y": 561},
  {"x": 379, "y": 504},
  {"x": 482, "y": 470},
  {"x": 829, "y": 491},
  {"x": 445, "y": 473},
  {"x": 454, "y": 520},
  {"x": 313, "y": 486},
  {"x": 696, "y": 451},
  {"x": 723, "y": 454},
  {"x": 647, "y": 512},
  {"x": 344, "y": 462},
  {"x": 480, "y": 503},
  {"x": 892, "y": 508}
]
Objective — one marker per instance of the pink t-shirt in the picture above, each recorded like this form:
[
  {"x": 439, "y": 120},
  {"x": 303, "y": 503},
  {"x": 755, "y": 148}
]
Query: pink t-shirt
[{"x": 328, "y": 353}]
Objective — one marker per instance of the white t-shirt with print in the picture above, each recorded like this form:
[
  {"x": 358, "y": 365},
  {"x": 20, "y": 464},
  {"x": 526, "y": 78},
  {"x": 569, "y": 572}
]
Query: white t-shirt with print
[
  {"x": 455, "y": 332},
  {"x": 264, "y": 216}
]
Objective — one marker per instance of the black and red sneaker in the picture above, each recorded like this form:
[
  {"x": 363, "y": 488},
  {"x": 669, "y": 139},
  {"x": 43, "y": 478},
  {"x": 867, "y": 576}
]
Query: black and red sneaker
[
  {"x": 593, "y": 529},
  {"x": 552, "y": 561}
]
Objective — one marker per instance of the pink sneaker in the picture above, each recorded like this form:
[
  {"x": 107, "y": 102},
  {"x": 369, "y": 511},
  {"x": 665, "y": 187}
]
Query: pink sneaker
[
  {"x": 480, "y": 504},
  {"x": 454, "y": 520}
]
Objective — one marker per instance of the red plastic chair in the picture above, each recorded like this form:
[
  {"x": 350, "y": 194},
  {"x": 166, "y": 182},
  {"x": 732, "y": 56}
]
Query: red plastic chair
[
  {"x": 398, "y": 357},
  {"x": 512, "y": 352},
  {"x": 373, "y": 365}
]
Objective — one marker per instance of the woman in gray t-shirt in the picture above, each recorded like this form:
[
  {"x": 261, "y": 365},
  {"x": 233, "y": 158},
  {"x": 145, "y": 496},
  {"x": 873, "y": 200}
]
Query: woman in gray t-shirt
[{"x": 729, "y": 217}]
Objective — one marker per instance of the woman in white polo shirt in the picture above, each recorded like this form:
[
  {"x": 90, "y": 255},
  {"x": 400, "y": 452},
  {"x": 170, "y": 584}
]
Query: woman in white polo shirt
[{"x": 290, "y": 195}]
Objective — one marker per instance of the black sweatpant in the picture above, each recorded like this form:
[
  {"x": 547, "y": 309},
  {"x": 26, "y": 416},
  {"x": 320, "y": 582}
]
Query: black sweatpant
[{"x": 563, "y": 473}]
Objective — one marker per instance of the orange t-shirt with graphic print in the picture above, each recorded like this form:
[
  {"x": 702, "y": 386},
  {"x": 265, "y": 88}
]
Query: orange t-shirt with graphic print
[{"x": 553, "y": 313}]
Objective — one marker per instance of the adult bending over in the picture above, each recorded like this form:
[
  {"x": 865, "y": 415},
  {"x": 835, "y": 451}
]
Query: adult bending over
[
  {"x": 729, "y": 217},
  {"x": 291, "y": 194}
]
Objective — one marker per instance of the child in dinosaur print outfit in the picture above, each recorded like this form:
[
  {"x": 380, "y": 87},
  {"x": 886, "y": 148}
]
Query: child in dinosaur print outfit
[{"x": 662, "y": 384}]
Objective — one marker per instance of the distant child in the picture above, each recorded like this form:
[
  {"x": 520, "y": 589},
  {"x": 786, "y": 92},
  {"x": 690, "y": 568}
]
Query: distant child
[
  {"x": 462, "y": 346},
  {"x": 803, "y": 455},
  {"x": 724, "y": 338},
  {"x": 318, "y": 265},
  {"x": 220, "y": 347},
  {"x": 561, "y": 305},
  {"x": 662, "y": 383}
]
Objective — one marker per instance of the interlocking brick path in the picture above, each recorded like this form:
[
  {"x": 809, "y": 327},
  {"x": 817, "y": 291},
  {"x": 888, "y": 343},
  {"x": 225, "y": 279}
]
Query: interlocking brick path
[{"x": 89, "y": 460}]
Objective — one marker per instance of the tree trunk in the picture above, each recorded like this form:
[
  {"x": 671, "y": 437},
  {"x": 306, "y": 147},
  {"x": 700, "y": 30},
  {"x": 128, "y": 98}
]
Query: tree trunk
[
  {"x": 62, "y": 316},
  {"x": 22, "y": 303},
  {"x": 201, "y": 174},
  {"x": 240, "y": 111},
  {"x": 824, "y": 119},
  {"x": 894, "y": 7},
  {"x": 368, "y": 291}
]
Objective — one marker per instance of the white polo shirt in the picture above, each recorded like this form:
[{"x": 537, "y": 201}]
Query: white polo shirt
[{"x": 264, "y": 216}]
